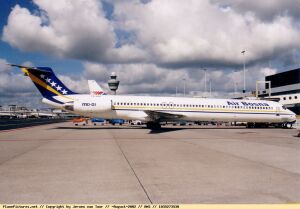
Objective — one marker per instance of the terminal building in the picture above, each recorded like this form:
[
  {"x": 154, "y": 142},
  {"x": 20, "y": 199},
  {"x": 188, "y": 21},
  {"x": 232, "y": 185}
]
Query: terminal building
[{"x": 284, "y": 88}]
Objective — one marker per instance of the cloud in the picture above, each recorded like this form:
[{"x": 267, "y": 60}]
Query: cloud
[
  {"x": 72, "y": 29},
  {"x": 138, "y": 79},
  {"x": 153, "y": 45},
  {"x": 266, "y": 10},
  {"x": 199, "y": 33},
  {"x": 149, "y": 79},
  {"x": 173, "y": 34},
  {"x": 15, "y": 88},
  {"x": 77, "y": 84},
  {"x": 4, "y": 68}
]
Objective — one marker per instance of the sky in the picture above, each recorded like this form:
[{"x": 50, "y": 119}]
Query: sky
[{"x": 152, "y": 45}]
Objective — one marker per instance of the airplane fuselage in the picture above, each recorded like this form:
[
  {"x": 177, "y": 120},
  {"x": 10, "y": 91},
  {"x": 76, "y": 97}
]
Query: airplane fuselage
[
  {"x": 190, "y": 109},
  {"x": 153, "y": 110}
]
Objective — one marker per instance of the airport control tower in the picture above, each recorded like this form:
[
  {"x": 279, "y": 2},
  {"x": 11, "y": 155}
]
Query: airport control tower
[{"x": 113, "y": 83}]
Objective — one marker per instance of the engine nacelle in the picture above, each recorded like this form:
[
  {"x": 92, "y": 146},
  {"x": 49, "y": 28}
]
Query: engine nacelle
[{"x": 90, "y": 107}]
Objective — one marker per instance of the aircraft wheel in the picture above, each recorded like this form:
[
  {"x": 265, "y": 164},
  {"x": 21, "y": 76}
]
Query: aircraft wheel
[
  {"x": 250, "y": 125},
  {"x": 288, "y": 125},
  {"x": 153, "y": 125}
]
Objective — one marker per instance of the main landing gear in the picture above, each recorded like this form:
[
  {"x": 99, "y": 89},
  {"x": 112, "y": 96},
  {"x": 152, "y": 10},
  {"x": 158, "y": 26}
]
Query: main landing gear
[
  {"x": 257, "y": 125},
  {"x": 153, "y": 125},
  {"x": 265, "y": 125}
]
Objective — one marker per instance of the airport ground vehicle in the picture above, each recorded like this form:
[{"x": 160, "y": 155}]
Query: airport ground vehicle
[
  {"x": 98, "y": 121},
  {"x": 154, "y": 110},
  {"x": 117, "y": 121},
  {"x": 136, "y": 122},
  {"x": 80, "y": 121}
]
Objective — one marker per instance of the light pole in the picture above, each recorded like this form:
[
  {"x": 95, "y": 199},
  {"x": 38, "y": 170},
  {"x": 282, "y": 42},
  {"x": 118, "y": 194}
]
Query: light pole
[
  {"x": 184, "y": 86},
  {"x": 205, "y": 89},
  {"x": 243, "y": 52},
  {"x": 209, "y": 88},
  {"x": 235, "y": 83}
]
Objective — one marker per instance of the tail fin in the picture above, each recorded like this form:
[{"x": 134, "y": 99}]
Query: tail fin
[
  {"x": 95, "y": 89},
  {"x": 46, "y": 82}
]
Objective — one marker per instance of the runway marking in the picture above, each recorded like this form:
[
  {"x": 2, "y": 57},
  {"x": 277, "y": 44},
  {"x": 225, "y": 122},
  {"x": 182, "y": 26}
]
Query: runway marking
[
  {"x": 128, "y": 162},
  {"x": 22, "y": 153}
]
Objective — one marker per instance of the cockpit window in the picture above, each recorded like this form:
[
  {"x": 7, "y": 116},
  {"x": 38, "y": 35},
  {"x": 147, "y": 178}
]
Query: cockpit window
[{"x": 284, "y": 107}]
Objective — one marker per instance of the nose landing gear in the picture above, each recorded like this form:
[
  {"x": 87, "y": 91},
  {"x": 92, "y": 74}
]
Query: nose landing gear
[{"x": 287, "y": 125}]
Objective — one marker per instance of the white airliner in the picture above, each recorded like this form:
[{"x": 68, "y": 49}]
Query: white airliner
[{"x": 154, "y": 110}]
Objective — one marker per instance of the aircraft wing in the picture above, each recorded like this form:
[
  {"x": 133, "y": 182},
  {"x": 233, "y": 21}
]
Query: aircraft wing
[{"x": 162, "y": 116}]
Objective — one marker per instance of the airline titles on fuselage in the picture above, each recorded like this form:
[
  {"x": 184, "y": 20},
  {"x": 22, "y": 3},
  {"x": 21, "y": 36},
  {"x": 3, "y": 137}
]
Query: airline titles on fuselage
[{"x": 248, "y": 103}]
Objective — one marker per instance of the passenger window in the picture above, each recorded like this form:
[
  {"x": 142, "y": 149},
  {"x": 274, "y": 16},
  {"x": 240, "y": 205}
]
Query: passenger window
[{"x": 296, "y": 97}]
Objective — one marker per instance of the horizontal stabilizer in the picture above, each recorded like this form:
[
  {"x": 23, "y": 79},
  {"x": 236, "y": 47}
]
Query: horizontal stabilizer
[{"x": 30, "y": 68}]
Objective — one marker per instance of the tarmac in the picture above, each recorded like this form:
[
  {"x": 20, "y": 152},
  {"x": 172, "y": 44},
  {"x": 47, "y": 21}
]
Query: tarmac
[
  {"x": 61, "y": 163},
  {"x": 6, "y": 124}
]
